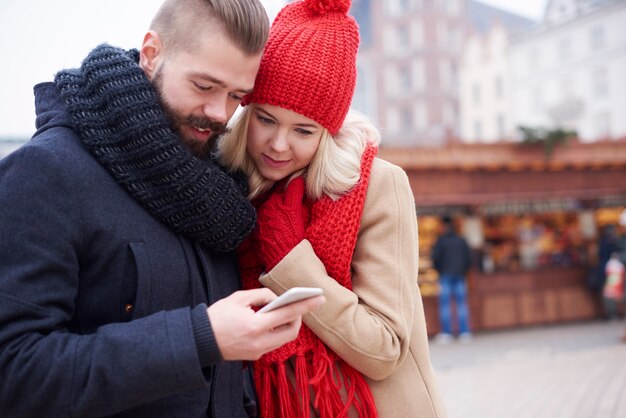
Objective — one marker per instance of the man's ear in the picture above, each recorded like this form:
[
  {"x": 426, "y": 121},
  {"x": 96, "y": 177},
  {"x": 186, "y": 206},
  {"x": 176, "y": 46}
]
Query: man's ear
[{"x": 151, "y": 53}]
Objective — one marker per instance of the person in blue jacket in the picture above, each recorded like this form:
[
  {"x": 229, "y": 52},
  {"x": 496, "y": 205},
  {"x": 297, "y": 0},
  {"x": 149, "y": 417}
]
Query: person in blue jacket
[
  {"x": 118, "y": 283},
  {"x": 452, "y": 259}
]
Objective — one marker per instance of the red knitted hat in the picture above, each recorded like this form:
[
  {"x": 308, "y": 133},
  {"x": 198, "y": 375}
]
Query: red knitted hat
[{"x": 309, "y": 63}]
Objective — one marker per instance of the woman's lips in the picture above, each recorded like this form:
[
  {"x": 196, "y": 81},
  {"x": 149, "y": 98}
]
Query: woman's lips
[{"x": 270, "y": 162}]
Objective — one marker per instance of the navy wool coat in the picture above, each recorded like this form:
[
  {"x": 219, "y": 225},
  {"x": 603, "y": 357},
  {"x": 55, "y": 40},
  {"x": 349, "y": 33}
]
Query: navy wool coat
[{"x": 97, "y": 296}]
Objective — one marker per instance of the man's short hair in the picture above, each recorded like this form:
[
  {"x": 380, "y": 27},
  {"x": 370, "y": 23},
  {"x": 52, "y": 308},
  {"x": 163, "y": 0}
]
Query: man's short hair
[{"x": 180, "y": 23}]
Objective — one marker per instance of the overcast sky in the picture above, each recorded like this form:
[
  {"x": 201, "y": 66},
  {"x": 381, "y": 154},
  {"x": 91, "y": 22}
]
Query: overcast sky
[{"x": 38, "y": 38}]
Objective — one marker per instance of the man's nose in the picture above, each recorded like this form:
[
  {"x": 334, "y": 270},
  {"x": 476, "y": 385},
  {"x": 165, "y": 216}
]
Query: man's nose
[{"x": 216, "y": 109}]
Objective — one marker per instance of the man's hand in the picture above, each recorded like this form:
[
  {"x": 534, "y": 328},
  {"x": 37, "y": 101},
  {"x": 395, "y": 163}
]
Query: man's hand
[{"x": 242, "y": 334}]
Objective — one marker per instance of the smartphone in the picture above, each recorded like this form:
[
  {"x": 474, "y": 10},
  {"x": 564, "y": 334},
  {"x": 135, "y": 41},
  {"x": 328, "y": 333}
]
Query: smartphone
[{"x": 292, "y": 295}]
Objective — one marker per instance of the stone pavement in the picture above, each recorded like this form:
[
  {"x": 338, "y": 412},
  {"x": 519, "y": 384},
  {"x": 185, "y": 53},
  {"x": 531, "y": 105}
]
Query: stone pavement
[{"x": 559, "y": 371}]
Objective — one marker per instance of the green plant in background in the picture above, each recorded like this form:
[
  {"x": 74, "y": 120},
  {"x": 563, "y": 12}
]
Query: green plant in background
[{"x": 548, "y": 138}]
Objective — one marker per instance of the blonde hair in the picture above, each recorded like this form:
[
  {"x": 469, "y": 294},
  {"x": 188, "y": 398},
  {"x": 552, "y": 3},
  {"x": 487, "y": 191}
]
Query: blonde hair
[{"x": 334, "y": 169}]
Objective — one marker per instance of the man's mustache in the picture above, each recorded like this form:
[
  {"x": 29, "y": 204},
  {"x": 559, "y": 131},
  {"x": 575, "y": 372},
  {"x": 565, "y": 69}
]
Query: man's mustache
[{"x": 216, "y": 128}]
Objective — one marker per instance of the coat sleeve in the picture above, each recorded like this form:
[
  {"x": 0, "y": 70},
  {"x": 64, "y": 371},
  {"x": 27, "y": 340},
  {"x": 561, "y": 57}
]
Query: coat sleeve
[
  {"x": 45, "y": 369},
  {"x": 370, "y": 326}
]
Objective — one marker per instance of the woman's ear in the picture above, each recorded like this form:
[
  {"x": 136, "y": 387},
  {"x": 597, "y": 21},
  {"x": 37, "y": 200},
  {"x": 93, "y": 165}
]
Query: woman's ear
[{"x": 150, "y": 53}]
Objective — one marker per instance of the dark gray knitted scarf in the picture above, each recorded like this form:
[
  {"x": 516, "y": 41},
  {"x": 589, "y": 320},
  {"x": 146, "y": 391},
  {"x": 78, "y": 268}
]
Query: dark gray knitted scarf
[{"x": 116, "y": 112}]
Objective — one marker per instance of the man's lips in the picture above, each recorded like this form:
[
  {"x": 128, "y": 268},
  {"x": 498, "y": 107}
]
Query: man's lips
[{"x": 200, "y": 134}]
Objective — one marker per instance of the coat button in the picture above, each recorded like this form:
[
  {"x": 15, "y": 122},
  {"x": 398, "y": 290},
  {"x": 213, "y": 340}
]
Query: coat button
[{"x": 128, "y": 307}]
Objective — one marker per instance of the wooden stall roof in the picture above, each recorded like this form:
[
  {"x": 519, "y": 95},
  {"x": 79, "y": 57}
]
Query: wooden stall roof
[
  {"x": 508, "y": 156},
  {"x": 513, "y": 174}
]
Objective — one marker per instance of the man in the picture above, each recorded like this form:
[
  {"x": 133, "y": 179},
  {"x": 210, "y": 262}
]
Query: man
[
  {"x": 452, "y": 259},
  {"x": 117, "y": 231}
]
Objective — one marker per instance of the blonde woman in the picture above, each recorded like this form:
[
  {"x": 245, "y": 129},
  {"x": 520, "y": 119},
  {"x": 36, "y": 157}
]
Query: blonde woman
[{"x": 330, "y": 215}]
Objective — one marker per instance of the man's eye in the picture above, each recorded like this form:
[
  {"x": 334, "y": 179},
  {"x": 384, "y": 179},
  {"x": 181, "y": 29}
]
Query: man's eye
[
  {"x": 236, "y": 97},
  {"x": 203, "y": 88}
]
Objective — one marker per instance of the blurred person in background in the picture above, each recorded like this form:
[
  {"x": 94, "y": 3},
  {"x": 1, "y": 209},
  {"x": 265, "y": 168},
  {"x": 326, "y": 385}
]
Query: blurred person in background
[
  {"x": 118, "y": 279},
  {"x": 622, "y": 252},
  {"x": 452, "y": 259},
  {"x": 613, "y": 291},
  {"x": 607, "y": 245},
  {"x": 330, "y": 215}
]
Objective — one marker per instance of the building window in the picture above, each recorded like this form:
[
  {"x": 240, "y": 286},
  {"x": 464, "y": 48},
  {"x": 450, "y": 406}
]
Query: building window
[
  {"x": 445, "y": 76},
  {"x": 476, "y": 94},
  {"x": 565, "y": 49},
  {"x": 392, "y": 82},
  {"x": 597, "y": 38},
  {"x": 406, "y": 120},
  {"x": 449, "y": 119},
  {"x": 500, "y": 126},
  {"x": 420, "y": 116},
  {"x": 454, "y": 40},
  {"x": 418, "y": 74},
  {"x": 499, "y": 87},
  {"x": 402, "y": 37},
  {"x": 392, "y": 123},
  {"x": 534, "y": 60},
  {"x": 600, "y": 82},
  {"x": 405, "y": 80},
  {"x": 478, "y": 130},
  {"x": 397, "y": 7},
  {"x": 416, "y": 29},
  {"x": 454, "y": 7},
  {"x": 365, "y": 92},
  {"x": 443, "y": 40}
]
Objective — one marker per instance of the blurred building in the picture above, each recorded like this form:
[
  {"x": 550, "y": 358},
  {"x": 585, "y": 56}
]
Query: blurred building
[
  {"x": 568, "y": 71},
  {"x": 484, "y": 74},
  {"x": 8, "y": 145},
  {"x": 407, "y": 68}
]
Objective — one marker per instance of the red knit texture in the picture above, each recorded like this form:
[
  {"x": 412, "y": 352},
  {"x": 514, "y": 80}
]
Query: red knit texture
[
  {"x": 332, "y": 231},
  {"x": 309, "y": 63},
  {"x": 281, "y": 221}
]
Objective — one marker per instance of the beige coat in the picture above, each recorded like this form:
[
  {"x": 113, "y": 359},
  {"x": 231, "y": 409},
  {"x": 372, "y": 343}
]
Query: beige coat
[{"x": 378, "y": 328}]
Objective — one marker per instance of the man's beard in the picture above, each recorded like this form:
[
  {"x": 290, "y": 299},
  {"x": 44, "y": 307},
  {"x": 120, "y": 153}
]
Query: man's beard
[{"x": 176, "y": 119}]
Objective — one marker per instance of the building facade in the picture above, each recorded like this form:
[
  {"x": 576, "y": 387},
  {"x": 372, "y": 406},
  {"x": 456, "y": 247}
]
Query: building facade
[
  {"x": 484, "y": 88},
  {"x": 407, "y": 68},
  {"x": 484, "y": 74},
  {"x": 567, "y": 72}
]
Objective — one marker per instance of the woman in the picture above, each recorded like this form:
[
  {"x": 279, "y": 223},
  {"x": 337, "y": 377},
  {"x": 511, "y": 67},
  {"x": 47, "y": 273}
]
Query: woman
[{"x": 330, "y": 215}]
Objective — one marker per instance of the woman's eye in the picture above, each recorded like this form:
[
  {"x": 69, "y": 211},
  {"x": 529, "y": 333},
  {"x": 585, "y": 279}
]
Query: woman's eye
[
  {"x": 236, "y": 97},
  {"x": 303, "y": 131},
  {"x": 264, "y": 120}
]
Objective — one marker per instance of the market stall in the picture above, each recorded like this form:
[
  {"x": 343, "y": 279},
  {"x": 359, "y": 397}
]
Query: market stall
[{"x": 533, "y": 224}]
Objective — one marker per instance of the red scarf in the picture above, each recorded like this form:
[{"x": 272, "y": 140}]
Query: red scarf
[{"x": 317, "y": 367}]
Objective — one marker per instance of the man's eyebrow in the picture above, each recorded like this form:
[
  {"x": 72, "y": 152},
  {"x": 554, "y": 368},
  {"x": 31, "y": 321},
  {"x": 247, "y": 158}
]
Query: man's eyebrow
[{"x": 217, "y": 81}]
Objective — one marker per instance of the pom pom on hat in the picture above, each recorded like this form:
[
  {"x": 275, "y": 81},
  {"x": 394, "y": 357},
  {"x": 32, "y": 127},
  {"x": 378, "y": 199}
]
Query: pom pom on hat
[
  {"x": 309, "y": 62},
  {"x": 321, "y": 7}
]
